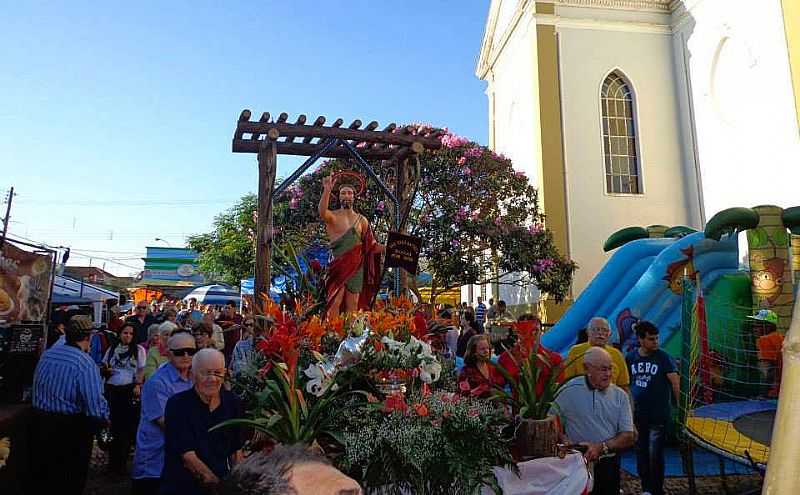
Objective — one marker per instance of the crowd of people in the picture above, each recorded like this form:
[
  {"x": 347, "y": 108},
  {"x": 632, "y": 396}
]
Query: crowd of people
[
  {"x": 607, "y": 402},
  {"x": 156, "y": 380}
]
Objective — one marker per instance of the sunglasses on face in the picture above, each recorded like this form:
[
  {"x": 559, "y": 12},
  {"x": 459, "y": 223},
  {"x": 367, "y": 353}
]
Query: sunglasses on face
[{"x": 190, "y": 351}]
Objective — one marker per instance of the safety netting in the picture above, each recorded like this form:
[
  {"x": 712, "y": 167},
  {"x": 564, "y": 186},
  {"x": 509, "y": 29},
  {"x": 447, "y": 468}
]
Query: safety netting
[{"x": 730, "y": 377}]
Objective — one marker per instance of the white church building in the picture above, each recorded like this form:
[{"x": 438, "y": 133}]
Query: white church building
[{"x": 641, "y": 112}]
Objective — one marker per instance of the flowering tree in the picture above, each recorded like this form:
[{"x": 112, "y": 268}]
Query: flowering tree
[{"x": 478, "y": 218}]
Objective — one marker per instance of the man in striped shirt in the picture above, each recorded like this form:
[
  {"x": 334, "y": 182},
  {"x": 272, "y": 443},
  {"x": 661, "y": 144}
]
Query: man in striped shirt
[
  {"x": 68, "y": 407},
  {"x": 480, "y": 313}
]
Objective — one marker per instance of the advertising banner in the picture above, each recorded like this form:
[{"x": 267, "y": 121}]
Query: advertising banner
[{"x": 24, "y": 285}]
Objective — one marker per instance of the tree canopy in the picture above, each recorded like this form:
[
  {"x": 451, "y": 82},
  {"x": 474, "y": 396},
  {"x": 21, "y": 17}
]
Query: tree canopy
[{"x": 478, "y": 218}]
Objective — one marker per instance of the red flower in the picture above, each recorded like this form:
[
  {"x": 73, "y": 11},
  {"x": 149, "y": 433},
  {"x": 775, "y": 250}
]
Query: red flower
[
  {"x": 421, "y": 410},
  {"x": 464, "y": 386},
  {"x": 473, "y": 412},
  {"x": 426, "y": 390},
  {"x": 378, "y": 345},
  {"x": 395, "y": 402},
  {"x": 315, "y": 266}
]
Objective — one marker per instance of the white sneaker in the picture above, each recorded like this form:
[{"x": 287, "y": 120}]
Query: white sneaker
[{"x": 646, "y": 493}]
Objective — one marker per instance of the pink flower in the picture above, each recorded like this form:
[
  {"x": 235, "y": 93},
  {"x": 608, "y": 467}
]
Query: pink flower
[
  {"x": 474, "y": 215},
  {"x": 474, "y": 152},
  {"x": 294, "y": 203},
  {"x": 543, "y": 265},
  {"x": 498, "y": 221},
  {"x": 380, "y": 206},
  {"x": 536, "y": 228},
  {"x": 453, "y": 141},
  {"x": 455, "y": 243},
  {"x": 461, "y": 214},
  {"x": 464, "y": 386},
  {"x": 467, "y": 171},
  {"x": 519, "y": 173},
  {"x": 462, "y": 161},
  {"x": 473, "y": 412}
]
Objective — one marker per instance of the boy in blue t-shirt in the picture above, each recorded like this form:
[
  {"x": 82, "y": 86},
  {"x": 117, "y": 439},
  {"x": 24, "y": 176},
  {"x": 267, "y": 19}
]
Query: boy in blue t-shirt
[{"x": 653, "y": 379}]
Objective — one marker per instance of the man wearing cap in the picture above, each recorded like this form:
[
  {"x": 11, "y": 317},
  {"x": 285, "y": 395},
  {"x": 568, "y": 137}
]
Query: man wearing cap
[
  {"x": 354, "y": 274},
  {"x": 68, "y": 407},
  {"x": 769, "y": 343}
]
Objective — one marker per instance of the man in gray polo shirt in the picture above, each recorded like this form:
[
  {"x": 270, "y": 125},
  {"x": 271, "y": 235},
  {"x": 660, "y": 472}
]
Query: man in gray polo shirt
[{"x": 596, "y": 413}]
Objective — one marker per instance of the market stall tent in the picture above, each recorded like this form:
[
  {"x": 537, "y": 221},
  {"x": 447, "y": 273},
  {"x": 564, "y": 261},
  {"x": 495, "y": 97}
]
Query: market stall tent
[{"x": 70, "y": 291}]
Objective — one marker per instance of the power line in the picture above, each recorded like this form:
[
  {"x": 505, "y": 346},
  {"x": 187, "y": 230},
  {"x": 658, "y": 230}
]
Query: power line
[{"x": 138, "y": 202}]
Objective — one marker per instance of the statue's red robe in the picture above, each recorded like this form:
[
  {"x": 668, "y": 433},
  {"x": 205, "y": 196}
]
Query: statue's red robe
[{"x": 365, "y": 254}]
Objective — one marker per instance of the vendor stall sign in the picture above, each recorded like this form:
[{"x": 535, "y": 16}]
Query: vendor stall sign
[
  {"x": 403, "y": 251},
  {"x": 24, "y": 285}
]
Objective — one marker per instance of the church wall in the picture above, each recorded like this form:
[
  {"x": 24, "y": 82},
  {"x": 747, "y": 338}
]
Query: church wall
[
  {"x": 748, "y": 144},
  {"x": 645, "y": 58},
  {"x": 513, "y": 88}
]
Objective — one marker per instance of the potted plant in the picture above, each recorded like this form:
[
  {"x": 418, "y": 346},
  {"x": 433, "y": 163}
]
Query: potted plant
[{"x": 533, "y": 390}]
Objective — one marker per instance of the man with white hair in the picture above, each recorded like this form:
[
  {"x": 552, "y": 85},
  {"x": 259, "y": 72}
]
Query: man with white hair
[
  {"x": 598, "y": 331},
  {"x": 197, "y": 459},
  {"x": 597, "y": 414},
  {"x": 171, "y": 378}
]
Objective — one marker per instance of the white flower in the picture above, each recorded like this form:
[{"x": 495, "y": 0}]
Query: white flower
[
  {"x": 320, "y": 381},
  {"x": 429, "y": 371},
  {"x": 392, "y": 344}
]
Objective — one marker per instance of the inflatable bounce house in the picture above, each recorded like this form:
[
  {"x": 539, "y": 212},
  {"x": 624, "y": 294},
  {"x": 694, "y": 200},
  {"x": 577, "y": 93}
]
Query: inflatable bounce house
[{"x": 690, "y": 284}]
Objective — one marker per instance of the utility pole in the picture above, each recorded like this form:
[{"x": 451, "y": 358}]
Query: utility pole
[{"x": 7, "y": 218}]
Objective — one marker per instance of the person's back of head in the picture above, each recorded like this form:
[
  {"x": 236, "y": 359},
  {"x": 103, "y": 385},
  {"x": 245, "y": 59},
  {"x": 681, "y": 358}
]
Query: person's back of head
[
  {"x": 287, "y": 470},
  {"x": 78, "y": 329}
]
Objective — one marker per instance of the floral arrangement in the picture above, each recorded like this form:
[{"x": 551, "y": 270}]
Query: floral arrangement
[
  {"x": 533, "y": 392},
  {"x": 426, "y": 443},
  {"x": 421, "y": 438}
]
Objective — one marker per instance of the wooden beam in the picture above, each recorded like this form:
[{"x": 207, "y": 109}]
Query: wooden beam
[
  {"x": 303, "y": 149},
  {"x": 300, "y": 121},
  {"x": 317, "y": 123},
  {"x": 401, "y": 138},
  {"x": 267, "y": 166}
]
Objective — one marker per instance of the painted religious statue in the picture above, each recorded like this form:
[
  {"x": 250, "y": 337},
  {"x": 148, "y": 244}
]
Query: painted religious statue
[{"x": 354, "y": 273}]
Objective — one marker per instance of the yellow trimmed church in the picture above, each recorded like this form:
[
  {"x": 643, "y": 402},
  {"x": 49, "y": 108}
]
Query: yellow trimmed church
[{"x": 642, "y": 112}]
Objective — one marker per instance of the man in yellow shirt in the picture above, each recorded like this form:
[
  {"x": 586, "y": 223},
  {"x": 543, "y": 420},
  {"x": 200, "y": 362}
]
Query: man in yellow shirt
[{"x": 598, "y": 331}]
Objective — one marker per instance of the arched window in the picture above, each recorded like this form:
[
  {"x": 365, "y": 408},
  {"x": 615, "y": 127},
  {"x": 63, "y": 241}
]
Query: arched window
[{"x": 619, "y": 137}]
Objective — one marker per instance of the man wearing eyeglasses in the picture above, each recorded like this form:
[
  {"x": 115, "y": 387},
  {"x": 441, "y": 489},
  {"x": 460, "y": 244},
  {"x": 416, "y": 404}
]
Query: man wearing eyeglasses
[
  {"x": 196, "y": 459},
  {"x": 599, "y": 331},
  {"x": 141, "y": 321},
  {"x": 171, "y": 378}
]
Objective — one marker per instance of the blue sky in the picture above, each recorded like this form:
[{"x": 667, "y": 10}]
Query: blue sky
[{"x": 116, "y": 119}]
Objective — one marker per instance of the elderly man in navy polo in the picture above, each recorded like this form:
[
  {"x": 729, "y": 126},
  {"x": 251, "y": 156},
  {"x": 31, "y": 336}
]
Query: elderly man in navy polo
[
  {"x": 171, "y": 378},
  {"x": 68, "y": 408},
  {"x": 196, "y": 459}
]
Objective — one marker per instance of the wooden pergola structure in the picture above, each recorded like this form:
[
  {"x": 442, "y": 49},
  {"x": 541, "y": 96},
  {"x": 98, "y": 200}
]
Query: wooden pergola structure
[{"x": 392, "y": 147}]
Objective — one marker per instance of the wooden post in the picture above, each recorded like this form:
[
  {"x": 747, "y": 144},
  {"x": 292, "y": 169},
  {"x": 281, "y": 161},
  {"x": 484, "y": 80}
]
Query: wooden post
[{"x": 267, "y": 166}]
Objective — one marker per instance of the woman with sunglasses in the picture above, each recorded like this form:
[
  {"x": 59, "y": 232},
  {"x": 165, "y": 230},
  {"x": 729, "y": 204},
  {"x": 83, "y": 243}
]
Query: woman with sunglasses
[
  {"x": 123, "y": 367},
  {"x": 203, "y": 335}
]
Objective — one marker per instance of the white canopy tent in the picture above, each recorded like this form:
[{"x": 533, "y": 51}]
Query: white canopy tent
[{"x": 76, "y": 292}]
